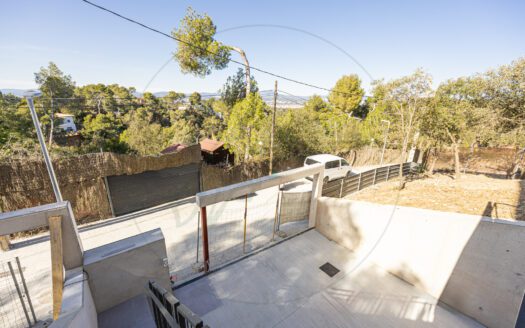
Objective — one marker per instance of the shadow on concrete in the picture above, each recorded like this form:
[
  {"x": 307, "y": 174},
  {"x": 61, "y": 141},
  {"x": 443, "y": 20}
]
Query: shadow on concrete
[{"x": 487, "y": 282}]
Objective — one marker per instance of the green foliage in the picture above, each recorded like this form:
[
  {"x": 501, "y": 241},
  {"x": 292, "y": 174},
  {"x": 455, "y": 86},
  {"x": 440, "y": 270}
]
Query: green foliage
[
  {"x": 317, "y": 104},
  {"x": 195, "y": 99},
  {"x": 234, "y": 89},
  {"x": 487, "y": 109},
  {"x": 245, "y": 126},
  {"x": 144, "y": 137},
  {"x": 103, "y": 131},
  {"x": 181, "y": 132},
  {"x": 299, "y": 133},
  {"x": 199, "y": 52},
  {"x": 53, "y": 82},
  {"x": 402, "y": 102},
  {"x": 347, "y": 93}
]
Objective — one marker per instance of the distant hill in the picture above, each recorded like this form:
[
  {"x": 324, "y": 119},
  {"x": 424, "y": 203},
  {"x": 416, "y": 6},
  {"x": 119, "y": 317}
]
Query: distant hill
[
  {"x": 15, "y": 92},
  {"x": 283, "y": 100}
]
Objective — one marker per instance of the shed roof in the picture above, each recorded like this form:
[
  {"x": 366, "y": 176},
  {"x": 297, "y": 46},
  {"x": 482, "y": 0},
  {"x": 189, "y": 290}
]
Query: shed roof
[{"x": 211, "y": 145}]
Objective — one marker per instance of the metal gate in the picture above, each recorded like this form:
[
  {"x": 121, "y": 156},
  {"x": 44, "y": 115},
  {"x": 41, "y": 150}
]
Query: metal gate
[{"x": 131, "y": 193}]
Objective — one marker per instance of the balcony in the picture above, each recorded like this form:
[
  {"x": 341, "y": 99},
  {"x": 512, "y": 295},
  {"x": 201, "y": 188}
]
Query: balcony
[{"x": 257, "y": 254}]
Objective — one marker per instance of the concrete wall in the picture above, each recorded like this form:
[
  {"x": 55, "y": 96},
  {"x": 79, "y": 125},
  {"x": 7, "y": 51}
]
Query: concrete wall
[
  {"x": 474, "y": 264},
  {"x": 120, "y": 271},
  {"x": 78, "y": 309}
]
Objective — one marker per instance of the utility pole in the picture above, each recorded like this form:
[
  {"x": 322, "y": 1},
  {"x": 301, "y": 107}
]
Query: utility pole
[
  {"x": 273, "y": 126},
  {"x": 54, "y": 183}
]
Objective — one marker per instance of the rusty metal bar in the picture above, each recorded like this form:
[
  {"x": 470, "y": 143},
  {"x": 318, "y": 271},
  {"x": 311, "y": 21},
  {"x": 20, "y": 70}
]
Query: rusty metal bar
[
  {"x": 25, "y": 289},
  {"x": 198, "y": 235},
  {"x": 19, "y": 293},
  {"x": 205, "y": 248}
]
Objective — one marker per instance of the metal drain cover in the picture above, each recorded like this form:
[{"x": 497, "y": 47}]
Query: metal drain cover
[{"x": 329, "y": 269}]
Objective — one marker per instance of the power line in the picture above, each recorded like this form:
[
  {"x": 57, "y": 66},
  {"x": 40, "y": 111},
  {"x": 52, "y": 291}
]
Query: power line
[
  {"x": 335, "y": 107},
  {"x": 211, "y": 52}
]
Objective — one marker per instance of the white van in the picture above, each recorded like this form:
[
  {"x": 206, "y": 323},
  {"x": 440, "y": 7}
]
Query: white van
[{"x": 335, "y": 167}]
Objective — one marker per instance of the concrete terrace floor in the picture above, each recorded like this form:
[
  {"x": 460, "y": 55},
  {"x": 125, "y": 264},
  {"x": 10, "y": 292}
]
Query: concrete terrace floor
[{"x": 283, "y": 286}]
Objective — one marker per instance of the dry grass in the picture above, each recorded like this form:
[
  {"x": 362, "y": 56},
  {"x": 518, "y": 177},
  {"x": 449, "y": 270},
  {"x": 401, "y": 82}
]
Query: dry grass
[{"x": 472, "y": 194}]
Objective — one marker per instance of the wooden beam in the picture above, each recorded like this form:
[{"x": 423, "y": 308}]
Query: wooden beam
[
  {"x": 57, "y": 258},
  {"x": 4, "y": 243}
]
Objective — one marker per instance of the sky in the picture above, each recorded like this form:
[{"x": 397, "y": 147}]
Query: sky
[{"x": 389, "y": 39}]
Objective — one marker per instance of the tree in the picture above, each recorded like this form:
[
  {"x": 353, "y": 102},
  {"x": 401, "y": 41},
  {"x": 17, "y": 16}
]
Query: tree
[
  {"x": 503, "y": 90},
  {"x": 54, "y": 84},
  {"x": 182, "y": 133},
  {"x": 316, "y": 103},
  {"x": 347, "y": 94},
  {"x": 452, "y": 118},
  {"x": 244, "y": 126},
  {"x": 173, "y": 99},
  {"x": 299, "y": 133},
  {"x": 235, "y": 87},
  {"x": 17, "y": 135},
  {"x": 198, "y": 52},
  {"x": 402, "y": 101},
  {"x": 195, "y": 99},
  {"x": 144, "y": 137},
  {"x": 103, "y": 131}
]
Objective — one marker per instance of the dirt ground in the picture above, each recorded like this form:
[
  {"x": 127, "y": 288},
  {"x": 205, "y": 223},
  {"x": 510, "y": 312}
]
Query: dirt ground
[{"x": 472, "y": 194}]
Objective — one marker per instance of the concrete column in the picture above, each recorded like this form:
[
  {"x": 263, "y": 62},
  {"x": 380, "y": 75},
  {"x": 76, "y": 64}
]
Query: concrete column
[{"x": 317, "y": 190}]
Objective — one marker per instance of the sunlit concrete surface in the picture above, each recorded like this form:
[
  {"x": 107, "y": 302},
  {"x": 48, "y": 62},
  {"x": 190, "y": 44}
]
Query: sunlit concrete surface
[
  {"x": 179, "y": 225},
  {"x": 284, "y": 287}
]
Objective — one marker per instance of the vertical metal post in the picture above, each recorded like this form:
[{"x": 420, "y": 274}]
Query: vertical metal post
[
  {"x": 205, "y": 249},
  {"x": 375, "y": 174},
  {"x": 276, "y": 213},
  {"x": 45, "y": 153},
  {"x": 198, "y": 235},
  {"x": 341, "y": 188},
  {"x": 245, "y": 217},
  {"x": 19, "y": 293},
  {"x": 25, "y": 289},
  {"x": 388, "y": 173},
  {"x": 359, "y": 183}
]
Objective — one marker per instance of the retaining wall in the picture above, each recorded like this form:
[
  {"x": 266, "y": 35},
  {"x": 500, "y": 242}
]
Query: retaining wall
[{"x": 472, "y": 263}]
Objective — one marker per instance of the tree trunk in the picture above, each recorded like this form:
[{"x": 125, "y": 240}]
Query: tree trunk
[
  {"x": 431, "y": 160},
  {"x": 457, "y": 169},
  {"x": 247, "y": 149},
  {"x": 455, "y": 146},
  {"x": 246, "y": 69}
]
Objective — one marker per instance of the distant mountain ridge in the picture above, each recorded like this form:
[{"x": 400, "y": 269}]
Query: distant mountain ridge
[{"x": 283, "y": 100}]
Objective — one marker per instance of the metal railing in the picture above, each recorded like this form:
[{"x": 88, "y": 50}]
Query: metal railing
[
  {"x": 168, "y": 311},
  {"x": 345, "y": 186},
  {"x": 223, "y": 210}
]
